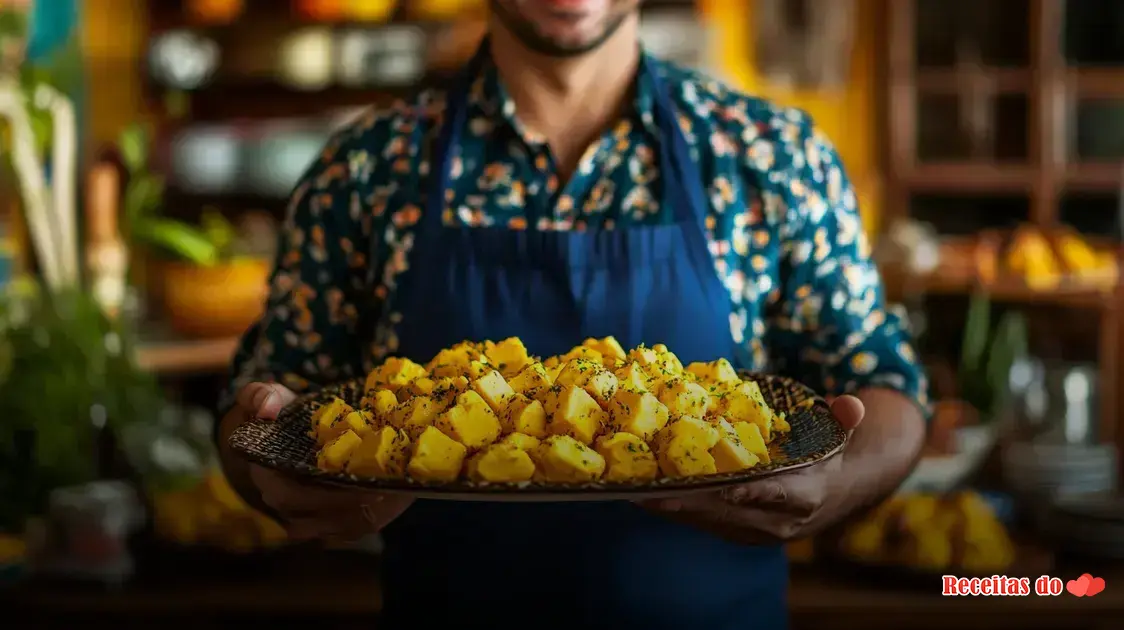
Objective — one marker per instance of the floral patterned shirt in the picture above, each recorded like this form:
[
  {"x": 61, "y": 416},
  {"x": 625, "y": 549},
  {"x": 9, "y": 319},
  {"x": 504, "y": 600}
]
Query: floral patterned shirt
[{"x": 806, "y": 299}]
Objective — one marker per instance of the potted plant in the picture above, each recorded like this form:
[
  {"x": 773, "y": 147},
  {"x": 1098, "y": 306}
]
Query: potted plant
[
  {"x": 67, "y": 374},
  {"x": 987, "y": 354},
  {"x": 210, "y": 279},
  {"x": 965, "y": 427}
]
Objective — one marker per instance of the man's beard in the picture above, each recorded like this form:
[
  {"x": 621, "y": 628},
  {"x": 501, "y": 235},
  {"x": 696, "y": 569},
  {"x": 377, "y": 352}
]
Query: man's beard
[{"x": 525, "y": 32}]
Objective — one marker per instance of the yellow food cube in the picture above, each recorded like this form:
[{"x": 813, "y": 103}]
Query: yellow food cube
[
  {"x": 610, "y": 348},
  {"x": 570, "y": 410},
  {"x": 632, "y": 376},
  {"x": 643, "y": 355},
  {"x": 509, "y": 356},
  {"x": 531, "y": 380},
  {"x": 730, "y": 455},
  {"x": 780, "y": 423},
  {"x": 592, "y": 377},
  {"x": 395, "y": 372},
  {"x": 414, "y": 415},
  {"x": 448, "y": 389},
  {"x": 627, "y": 458},
  {"x": 521, "y": 440},
  {"x": 666, "y": 363},
  {"x": 552, "y": 371},
  {"x": 561, "y": 458},
  {"x": 324, "y": 417},
  {"x": 638, "y": 413},
  {"x": 684, "y": 448},
  {"x": 455, "y": 361},
  {"x": 381, "y": 455},
  {"x": 684, "y": 398},
  {"x": 751, "y": 438},
  {"x": 333, "y": 457},
  {"x": 493, "y": 389},
  {"x": 695, "y": 428},
  {"x": 501, "y": 463},
  {"x": 745, "y": 403},
  {"x": 435, "y": 456},
  {"x": 477, "y": 369},
  {"x": 423, "y": 386},
  {"x": 470, "y": 421},
  {"x": 358, "y": 421},
  {"x": 523, "y": 415},
  {"x": 714, "y": 372},
  {"x": 581, "y": 352},
  {"x": 382, "y": 403}
]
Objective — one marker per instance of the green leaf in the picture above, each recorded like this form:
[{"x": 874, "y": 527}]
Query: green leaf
[
  {"x": 144, "y": 194},
  {"x": 179, "y": 238},
  {"x": 977, "y": 329},
  {"x": 133, "y": 145},
  {"x": 1009, "y": 345},
  {"x": 218, "y": 229}
]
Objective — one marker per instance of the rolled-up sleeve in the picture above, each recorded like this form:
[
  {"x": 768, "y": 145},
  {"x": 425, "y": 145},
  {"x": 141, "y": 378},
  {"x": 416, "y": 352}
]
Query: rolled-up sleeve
[
  {"x": 831, "y": 327},
  {"x": 310, "y": 334}
]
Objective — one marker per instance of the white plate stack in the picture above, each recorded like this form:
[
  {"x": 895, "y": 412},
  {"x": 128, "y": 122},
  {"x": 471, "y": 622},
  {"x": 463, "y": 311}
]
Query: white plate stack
[
  {"x": 1044, "y": 470},
  {"x": 1088, "y": 525}
]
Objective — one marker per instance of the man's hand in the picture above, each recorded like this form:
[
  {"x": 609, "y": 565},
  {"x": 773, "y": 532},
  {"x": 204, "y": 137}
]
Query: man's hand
[
  {"x": 777, "y": 509},
  {"x": 306, "y": 511}
]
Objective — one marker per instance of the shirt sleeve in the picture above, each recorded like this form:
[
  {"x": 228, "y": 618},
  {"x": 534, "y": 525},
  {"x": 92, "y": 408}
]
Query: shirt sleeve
[
  {"x": 313, "y": 331},
  {"x": 830, "y": 326}
]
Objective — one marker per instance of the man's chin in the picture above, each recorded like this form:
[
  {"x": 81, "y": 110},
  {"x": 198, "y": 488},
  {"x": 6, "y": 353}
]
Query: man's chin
[
  {"x": 553, "y": 45},
  {"x": 561, "y": 47}
]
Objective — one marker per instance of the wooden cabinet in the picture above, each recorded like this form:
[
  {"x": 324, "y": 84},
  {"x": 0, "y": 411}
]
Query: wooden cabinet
[{"x": 1006, "y": 112}]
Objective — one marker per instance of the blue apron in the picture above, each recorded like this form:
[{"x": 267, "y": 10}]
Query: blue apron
[{"x": 570, "y": 565}]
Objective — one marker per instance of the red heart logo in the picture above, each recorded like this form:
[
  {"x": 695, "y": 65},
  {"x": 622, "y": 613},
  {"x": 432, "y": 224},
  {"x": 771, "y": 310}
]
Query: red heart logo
[
  {"x": 1096, "y": 585},
  {"x": 1080, "y": 586}
]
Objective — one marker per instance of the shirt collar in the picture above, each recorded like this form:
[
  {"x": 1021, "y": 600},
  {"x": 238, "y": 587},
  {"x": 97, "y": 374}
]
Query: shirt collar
[{"x": 488, "y": 97}]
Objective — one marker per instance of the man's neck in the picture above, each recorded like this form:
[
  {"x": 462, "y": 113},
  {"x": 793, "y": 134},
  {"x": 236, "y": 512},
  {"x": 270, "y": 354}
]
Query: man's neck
[{"x": 568, "y": 101}]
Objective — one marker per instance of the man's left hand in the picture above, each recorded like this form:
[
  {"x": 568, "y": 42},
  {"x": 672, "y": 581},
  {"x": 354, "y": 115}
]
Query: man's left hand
[{"x": 778, "y": 509}]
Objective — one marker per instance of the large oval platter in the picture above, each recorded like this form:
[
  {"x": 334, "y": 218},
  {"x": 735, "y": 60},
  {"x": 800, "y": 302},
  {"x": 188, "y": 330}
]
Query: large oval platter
[{"x": 286, "y": 446}]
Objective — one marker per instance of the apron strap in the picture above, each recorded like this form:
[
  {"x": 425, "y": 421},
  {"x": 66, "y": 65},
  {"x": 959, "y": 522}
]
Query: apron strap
[
  {"x": 682, "y": 180},
  {"x": 448, "y": 139}
]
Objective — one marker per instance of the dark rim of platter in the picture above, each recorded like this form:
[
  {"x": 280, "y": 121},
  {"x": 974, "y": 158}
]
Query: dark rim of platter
[{"x": 812, "y": 414}]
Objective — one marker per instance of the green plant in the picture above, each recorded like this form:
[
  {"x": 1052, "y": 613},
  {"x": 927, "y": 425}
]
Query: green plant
[
  {"x": 987, "y": 354},
  {"x": 66, "y": 371},
  {"x": 206, "y": 244},
  {"x": 62, "y": 70}
]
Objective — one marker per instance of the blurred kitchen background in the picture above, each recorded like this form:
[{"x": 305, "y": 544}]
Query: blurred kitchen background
[{"x": 148, "y": 147}]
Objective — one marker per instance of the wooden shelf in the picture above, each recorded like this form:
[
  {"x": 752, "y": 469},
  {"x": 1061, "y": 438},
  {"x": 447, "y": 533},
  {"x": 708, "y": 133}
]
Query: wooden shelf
[
  {"x": 1074, "y": 295},
  {"x": 1096, "y": 83},
  {"x": 1095, "y": 177},
  {"x": 992, "y": 177},
  {"x": 1053, "y": 89},
  {"x": 187, "y": 356},
  {"x": 953, "y": 80},
  {"x": 978, "y": 177}
]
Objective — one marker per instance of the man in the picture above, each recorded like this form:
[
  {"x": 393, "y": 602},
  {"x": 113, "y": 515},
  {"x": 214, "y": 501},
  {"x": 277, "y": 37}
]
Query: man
[{"x": 571, "y": 186}]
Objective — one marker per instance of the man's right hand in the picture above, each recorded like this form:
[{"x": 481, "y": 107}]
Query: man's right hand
[{"x": 307, "y": 511}]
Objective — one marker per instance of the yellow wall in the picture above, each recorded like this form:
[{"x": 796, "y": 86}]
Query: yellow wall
[
  {"x": 114, "y": 44},
  {"x": 847, "y": 116}
]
